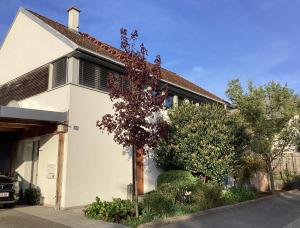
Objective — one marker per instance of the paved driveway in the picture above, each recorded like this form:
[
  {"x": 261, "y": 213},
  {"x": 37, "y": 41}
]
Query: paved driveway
[
  {"x": 280, "y": 211},
  {"x": 15, "y": 219},
  {"x": 43, "y": 217}
]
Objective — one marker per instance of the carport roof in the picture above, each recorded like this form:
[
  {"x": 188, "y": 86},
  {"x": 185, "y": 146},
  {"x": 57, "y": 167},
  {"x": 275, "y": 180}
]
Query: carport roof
[{"x": 32, "y": 114}]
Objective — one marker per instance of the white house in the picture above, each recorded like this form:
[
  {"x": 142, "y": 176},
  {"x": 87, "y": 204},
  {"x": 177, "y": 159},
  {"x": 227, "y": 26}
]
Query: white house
[{"x": 53, "y": 89}]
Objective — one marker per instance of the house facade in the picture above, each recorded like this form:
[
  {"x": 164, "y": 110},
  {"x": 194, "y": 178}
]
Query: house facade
[{"x": 53, "y": 89}]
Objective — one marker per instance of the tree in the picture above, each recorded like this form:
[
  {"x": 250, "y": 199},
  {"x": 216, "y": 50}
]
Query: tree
[
  {"x": 199, "y": 140},
  {"x": 271, "y": 115},
  {"x": 245, "y": 163},
  {"x": 136, "y": 99}
]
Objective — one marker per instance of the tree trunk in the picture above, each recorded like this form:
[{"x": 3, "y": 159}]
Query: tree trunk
[
  {"x": 271, "y": 177},
  {"x": 134, "y": 181}
]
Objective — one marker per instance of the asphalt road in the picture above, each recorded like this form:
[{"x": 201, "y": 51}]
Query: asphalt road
[
  {"x": 275, "y": 212},
  {"x": 9, "y": 218}
]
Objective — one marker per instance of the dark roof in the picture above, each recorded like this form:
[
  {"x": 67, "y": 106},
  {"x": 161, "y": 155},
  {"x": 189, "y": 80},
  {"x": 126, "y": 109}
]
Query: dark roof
[{"x": 86, "y": 41}]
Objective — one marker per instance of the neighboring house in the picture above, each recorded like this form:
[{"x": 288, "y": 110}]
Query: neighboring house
[{"x": 53, "y": 89}]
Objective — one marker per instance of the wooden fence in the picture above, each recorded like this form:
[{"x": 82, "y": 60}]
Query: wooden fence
[{"x": 288, "y": 162}]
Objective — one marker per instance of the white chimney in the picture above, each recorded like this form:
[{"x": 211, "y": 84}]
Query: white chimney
[{"x": 73, "y": 20}]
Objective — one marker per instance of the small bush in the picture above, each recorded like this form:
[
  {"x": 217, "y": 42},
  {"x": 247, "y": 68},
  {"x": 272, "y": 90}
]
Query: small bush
[
  {"x": 238, "y": 194},
  {"x": 177, "y": 184},
  {"x": 207, "y": 195},
  {"x": 169, "y": 191},
  {"x": 296, "y": 182},
  {"x": 292, "y": 183},
  {"x": 158, "y": 203},
  {"x": 114, "y": 211},
  {"x": 32, "y": 196}
]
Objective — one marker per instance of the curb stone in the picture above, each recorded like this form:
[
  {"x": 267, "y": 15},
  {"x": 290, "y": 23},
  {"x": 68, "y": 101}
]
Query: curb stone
[{"x": 208, "y": 211}]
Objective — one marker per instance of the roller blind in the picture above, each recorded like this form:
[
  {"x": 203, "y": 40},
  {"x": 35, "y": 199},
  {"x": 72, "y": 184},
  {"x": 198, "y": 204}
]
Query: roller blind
[
  {"x": 59, "y": 76},
  {"x": 93, "y": 75}
]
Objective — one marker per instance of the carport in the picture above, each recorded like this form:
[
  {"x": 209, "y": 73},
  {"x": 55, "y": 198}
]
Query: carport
[{"x": 29, "y": 125}]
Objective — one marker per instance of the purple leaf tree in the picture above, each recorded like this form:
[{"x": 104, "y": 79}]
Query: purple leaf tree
[{"x": 138, "y": 97}]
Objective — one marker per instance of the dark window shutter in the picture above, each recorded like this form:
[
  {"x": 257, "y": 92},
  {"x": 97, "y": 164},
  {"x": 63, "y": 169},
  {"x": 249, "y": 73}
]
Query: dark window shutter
[
  {"x": 59, "y": 76},
  {"x": 93, "y": 75}
]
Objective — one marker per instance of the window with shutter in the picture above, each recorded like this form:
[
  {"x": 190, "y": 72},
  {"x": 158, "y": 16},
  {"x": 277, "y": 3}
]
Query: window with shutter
[
  {"x": 93, "y": 75},
  {"x": 59, "y": 76}
]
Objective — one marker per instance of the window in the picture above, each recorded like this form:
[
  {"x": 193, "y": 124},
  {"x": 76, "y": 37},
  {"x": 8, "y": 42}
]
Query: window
[
  {"x": 59, "y": 76},
  {"x": 169, "y": 102},
  {"x": 93, "y": 75}
]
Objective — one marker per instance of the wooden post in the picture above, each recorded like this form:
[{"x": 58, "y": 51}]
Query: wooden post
[
  {"x": 60, "y": 162},
  {"x": 140, "y": 171},
  {"x": 134, "y": 180}
]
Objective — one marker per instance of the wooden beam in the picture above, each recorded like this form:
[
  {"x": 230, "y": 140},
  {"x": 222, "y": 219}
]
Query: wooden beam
[
  {"x": 19, "y": 125},
  {"x": 5, "y": 129},
  {"x": 60, "y": 162},
  {"x": 38, "y": 131},
  {"x": 23, "y": 121}
]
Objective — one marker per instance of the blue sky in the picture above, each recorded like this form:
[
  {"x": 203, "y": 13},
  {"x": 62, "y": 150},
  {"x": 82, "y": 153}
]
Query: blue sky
[{"x": 208, "y": 42}]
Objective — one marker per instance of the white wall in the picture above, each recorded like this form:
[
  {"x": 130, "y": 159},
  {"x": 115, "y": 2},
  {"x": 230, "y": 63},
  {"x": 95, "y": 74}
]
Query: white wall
[
  {"x": 26, "y": 47},
  {"x": 151, "y": 173},
  {"x": 23, "y": 162},
  {"x": 96, "y": 165},
  {"x": 54, "y": 100},
  {"x": 47, "y": 156}
]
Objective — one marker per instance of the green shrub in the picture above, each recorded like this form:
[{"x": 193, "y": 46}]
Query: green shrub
[
  {"x": 238, "y": 194},
  {"x": 292, "y": 182},
  {"x": 296, "y": 182},
  {"x": 158, "y": 203},
  {"x": 207, "y": 195},
  {"x": 114, "y": 211},
  {"x": 200, "y": 140},
  {"x": 178, "y": 184},
  {"x": 176, "y": 178},
  {"x": 169, "y": 191},
  {"x": 32, "y": 196}
]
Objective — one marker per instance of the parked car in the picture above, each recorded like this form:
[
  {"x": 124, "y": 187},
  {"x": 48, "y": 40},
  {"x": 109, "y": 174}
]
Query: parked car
[{"x": 9, "y": 191}]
